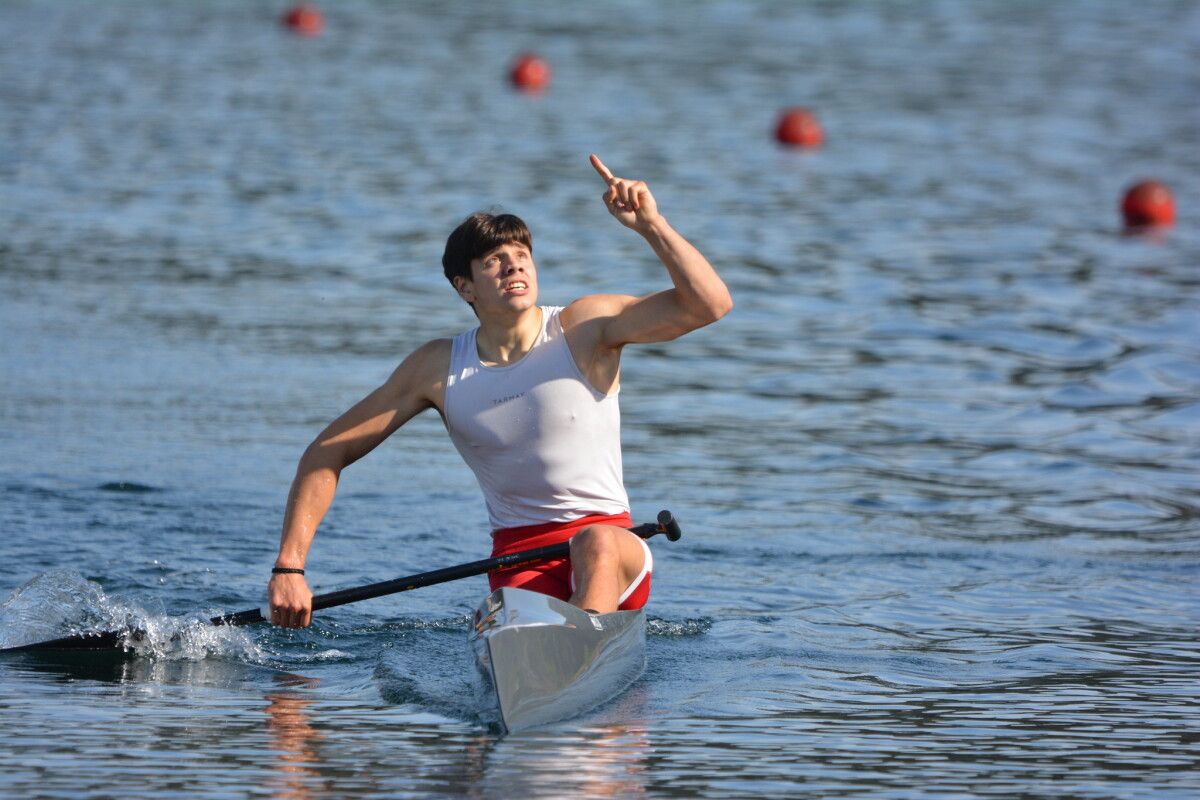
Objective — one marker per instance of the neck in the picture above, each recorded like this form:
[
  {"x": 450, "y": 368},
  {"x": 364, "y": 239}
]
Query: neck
[{"x": 506, "y": 341}]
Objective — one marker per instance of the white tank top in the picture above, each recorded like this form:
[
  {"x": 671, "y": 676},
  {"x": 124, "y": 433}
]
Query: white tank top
[{"x": 543, "y": 443}]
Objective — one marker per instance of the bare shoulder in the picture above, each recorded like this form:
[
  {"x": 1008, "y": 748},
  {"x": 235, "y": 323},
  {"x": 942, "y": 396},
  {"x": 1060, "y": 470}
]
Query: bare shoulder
[
  {"x": 587, "y": 325},
  {"x": 433, "y": 352},
  {"x": 423, "y": 372},
  {"x": 595, "y": 308}
]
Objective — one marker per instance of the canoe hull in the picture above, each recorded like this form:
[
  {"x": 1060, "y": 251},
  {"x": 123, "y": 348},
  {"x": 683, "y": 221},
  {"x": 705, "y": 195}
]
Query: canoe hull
[{"x": 541, "y": 660}]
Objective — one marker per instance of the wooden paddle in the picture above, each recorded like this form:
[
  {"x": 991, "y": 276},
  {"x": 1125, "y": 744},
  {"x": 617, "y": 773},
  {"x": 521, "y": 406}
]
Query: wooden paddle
[{"x": 107, "y": 640}]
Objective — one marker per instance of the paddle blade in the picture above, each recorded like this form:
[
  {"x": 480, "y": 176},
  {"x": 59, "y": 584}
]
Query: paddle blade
[{"x": 96, "y": 640}]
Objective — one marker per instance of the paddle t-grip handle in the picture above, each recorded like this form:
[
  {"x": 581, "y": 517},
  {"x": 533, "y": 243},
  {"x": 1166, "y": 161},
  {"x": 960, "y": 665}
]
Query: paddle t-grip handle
[{"x": 668, "y": 525}]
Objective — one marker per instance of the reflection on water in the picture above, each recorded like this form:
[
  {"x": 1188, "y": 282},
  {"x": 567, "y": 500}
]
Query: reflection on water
[
  {"x": 310, "y": 741},
  {"x": 128, "y": 671},
  {"x": 294, "y": 740},
  {"x": 595, "y": 759}
]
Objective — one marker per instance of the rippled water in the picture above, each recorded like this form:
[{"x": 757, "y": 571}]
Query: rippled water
[{"x": 937, "y": 471}]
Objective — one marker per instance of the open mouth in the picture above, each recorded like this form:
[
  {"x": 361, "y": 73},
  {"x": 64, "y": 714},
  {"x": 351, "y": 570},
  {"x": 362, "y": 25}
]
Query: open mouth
[{"x": 516, "y": 286}]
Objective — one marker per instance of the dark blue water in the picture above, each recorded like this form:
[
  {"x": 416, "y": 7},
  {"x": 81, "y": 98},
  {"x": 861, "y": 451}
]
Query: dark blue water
[{"x": 937, "y": 471}]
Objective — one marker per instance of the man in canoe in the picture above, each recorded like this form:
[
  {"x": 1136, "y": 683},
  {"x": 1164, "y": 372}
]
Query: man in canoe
[{"x": 529, "y": 398}]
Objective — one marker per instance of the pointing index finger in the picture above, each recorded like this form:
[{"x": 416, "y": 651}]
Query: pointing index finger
[{"x": 604, "y": 171}]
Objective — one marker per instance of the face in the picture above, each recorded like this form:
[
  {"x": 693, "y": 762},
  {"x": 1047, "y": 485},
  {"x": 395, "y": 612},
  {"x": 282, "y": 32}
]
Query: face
[{"x": 502, "y": 278}]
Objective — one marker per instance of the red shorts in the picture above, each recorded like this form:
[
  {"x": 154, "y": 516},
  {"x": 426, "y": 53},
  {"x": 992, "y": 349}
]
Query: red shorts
[{"x": 553, "y": 577}]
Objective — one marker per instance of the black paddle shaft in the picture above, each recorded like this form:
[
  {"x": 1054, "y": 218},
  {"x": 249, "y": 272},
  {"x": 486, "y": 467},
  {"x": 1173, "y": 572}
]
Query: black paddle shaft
[
  {"x": 107, "y": 640},
  {"x": 666, "y": 525}
]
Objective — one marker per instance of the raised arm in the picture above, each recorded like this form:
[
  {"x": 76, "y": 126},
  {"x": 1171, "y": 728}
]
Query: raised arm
[
  {"x": 698, "y": 296},
  {"x": 415, "y": 386}
]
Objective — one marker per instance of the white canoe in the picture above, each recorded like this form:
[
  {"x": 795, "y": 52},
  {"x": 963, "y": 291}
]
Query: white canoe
[{"x": 542, "y": 660}]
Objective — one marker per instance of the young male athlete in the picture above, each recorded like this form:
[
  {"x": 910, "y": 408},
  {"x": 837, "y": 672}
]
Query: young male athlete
[{"x": 530, "y": 400}]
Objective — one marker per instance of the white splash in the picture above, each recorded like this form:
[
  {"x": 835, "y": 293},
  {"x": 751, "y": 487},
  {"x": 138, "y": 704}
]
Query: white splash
[{"x": 61, "y": 603}]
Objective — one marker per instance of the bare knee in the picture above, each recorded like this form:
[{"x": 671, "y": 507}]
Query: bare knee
[{"x": 595, "y": 545}]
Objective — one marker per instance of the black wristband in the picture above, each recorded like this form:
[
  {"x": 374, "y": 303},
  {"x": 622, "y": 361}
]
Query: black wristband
[{"x": 286, "y": 571}]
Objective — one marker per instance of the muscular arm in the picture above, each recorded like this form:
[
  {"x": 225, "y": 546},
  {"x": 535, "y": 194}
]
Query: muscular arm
[
  {"x": 699, "y": 297},
  {"x": 414, "y": 386}
]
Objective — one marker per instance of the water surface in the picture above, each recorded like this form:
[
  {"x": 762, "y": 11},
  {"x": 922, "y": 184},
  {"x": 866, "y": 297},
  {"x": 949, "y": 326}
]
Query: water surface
[{"x": 937, "y": 471}]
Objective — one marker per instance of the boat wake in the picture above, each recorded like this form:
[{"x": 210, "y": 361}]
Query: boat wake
[
  {"x": 683, "y": 627},
  {"x": 428, "y": 667},
  {"x": 62, "y": 603}
]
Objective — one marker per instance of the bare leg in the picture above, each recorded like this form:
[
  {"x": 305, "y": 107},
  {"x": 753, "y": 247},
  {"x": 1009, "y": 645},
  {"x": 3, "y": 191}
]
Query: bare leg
[{"x": 605, "y": 559}]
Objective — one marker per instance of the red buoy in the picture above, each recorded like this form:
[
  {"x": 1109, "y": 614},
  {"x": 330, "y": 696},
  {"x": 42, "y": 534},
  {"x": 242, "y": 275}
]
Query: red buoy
[
  {"x": 798, "y": 127},
  {"x": 1148, "y": 203},
  {"x": 304, "y": 20},
  {"x": 530, "y": 73}
]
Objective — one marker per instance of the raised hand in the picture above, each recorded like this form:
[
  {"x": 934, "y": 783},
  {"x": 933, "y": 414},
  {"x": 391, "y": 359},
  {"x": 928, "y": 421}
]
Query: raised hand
[{"x": 629, "y": 201}]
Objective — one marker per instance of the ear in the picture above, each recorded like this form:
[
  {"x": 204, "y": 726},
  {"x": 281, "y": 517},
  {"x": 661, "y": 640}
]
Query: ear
[{"x": 465, "y": 288}]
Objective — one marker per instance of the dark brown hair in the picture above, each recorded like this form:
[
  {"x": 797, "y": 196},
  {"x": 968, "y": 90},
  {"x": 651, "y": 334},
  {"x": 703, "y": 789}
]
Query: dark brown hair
[{"x": 478, "y": 234}]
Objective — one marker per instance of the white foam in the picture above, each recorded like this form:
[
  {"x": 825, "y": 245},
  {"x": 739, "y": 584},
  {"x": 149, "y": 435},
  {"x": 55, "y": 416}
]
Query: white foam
[{"x": 62, "y": 603}]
